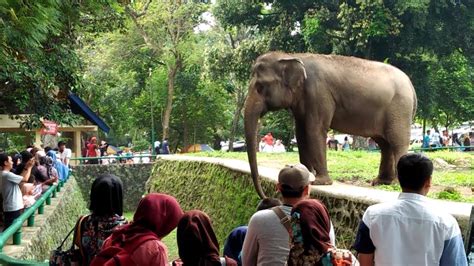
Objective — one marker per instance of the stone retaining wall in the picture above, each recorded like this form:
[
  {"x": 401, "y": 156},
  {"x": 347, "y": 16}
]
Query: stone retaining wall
[
  {"x": 133, "y": 176},
  {"x": 223, "y": 188}
]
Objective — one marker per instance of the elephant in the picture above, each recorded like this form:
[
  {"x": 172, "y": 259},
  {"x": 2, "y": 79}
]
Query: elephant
[{"x": 348, "y": 94}]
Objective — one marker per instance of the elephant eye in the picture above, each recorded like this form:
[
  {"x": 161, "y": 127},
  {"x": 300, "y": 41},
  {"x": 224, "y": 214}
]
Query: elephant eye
[{"x": 259, "y": 87}]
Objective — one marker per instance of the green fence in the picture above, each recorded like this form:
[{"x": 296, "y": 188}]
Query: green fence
[
  {"x": 14, "y": 230},
  {"x": 116, "y": 159}
]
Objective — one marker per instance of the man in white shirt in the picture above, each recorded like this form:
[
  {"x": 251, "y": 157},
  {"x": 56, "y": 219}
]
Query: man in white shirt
[
  {"x": 64, "y": 153},
  {"x": 411, "y": 230},
  {"x": 267, "y": 240},
  {"x": 11, "y": 193}
]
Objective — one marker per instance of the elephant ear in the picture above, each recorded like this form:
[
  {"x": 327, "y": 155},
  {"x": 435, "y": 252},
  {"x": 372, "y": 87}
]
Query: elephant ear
[{"x": 294, "y": 72}]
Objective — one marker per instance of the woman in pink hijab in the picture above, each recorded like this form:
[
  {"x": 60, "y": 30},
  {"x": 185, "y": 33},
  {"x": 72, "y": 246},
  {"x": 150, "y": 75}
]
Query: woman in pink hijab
[{"x": 156, "y": 216}]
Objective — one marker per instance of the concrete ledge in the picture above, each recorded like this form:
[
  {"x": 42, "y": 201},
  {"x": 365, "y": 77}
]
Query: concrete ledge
[{"x": 357, "y": 197}]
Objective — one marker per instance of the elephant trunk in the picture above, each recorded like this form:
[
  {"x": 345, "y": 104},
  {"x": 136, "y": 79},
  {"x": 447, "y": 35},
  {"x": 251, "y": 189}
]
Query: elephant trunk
[{"x": 252, "y": 113}]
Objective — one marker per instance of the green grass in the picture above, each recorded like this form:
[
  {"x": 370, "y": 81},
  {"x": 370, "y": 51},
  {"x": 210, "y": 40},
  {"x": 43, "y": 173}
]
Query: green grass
[
  {"x": 169, "y": 240},
  {"x": 360, "y": 167}
]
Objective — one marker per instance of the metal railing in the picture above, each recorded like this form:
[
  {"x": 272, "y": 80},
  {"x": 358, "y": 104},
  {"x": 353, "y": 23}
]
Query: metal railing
[
  {"x": 116, "y": 159},
  {"x": 14, "y": 230},
  {"x": 457, "y": 148}
]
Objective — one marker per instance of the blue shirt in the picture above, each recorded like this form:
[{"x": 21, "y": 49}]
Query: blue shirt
[{"x": 426, "y": 141}]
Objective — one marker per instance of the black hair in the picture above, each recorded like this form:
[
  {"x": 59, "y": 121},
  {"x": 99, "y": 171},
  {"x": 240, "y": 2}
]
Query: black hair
[
  {"x": 61, "y": 143},
  {"x": 106, "y": 196},
  {"x": 289, "y": 192},
  {"x": 25, "y": 156},
  {"x": 414, "y": 170},
  {"x": 47, "y": 149},
  {"x": 3, "y": 159},
  {"x": 268, "y": 203},
  {"x": 15, "y": 158}
]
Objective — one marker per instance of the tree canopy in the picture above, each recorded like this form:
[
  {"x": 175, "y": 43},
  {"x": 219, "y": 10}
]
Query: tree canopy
[
  {"x": 39, "y": 62},
  {"x": 180, "y": 69}
]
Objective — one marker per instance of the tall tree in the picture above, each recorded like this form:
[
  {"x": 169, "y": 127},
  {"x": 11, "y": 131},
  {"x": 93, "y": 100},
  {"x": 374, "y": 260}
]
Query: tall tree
[
  {"x": 165, "y": 26},
  {"x": 453, "y": 81},
  {"x": 229, "y": 60}
]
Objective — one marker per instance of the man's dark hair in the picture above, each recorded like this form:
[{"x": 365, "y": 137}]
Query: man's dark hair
[
  {"x": 289, "y": 192},
  {"x": 414, "y": 170},
  {"x": 61, "y": 143},
  {"x": 268, "y": 203},
  {"x": 3, "y": 159},
  {"x": 47, "y": 149},
  {"x": 26, "y": 156}
]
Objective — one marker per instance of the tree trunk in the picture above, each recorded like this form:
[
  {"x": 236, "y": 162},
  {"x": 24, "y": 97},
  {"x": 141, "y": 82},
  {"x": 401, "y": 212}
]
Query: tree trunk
[
  {"x": 186, "y": 138},
  {"x": 424, "y": 127},
  {"x": 169, "y": 101},
  {"x": 359, "y": 143},
  {"x": 235, "y": 120}
]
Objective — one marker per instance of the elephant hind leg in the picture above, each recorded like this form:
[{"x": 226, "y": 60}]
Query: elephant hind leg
[
  {"x": 398, "y": 151},
  {"x": 386, "y": 169}
]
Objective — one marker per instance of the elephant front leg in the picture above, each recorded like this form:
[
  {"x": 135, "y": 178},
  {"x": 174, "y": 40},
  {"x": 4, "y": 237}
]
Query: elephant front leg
[
  {"x": 303, "y": 149},
  {"x": 317, "y": 145}
]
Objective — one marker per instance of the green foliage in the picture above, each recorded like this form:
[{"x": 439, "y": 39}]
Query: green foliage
[
  {"x": 38, "y": 65},
  {"x": 280, "y": 124},
  {"x": 419, "y": 37},
  {"x": 453, "y": 81},
  {"x": 449, "y": 195},
  {"x": 15, "y": 142}
]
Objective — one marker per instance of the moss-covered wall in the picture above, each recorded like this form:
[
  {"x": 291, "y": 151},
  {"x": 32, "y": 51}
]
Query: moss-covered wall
[
  {"x": 133, "y": 176},
  {"x": 345, "y": 215},
  {"x": 55, "y": 224},
  {"x": 226, "y": 196}
]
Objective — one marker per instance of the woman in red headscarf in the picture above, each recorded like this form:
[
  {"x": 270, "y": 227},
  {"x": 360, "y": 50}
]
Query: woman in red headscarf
[
  {"x": 310, "y": 241},
  {"x": 156, "y": 216},
  {"x": 197, "y": 242}
]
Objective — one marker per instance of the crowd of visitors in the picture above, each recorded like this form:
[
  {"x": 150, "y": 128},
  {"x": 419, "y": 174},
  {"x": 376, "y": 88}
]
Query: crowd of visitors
[
  {"x": 296, "y": 231},
  {"x": 25, "y": 176},
  {"x": 462, "y": 142},
  {"x": 270, "y": 144}
]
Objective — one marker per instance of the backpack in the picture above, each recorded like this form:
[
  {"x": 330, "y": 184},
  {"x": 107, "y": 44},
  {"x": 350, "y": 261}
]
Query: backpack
[{"x": 120, "y": 253}]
